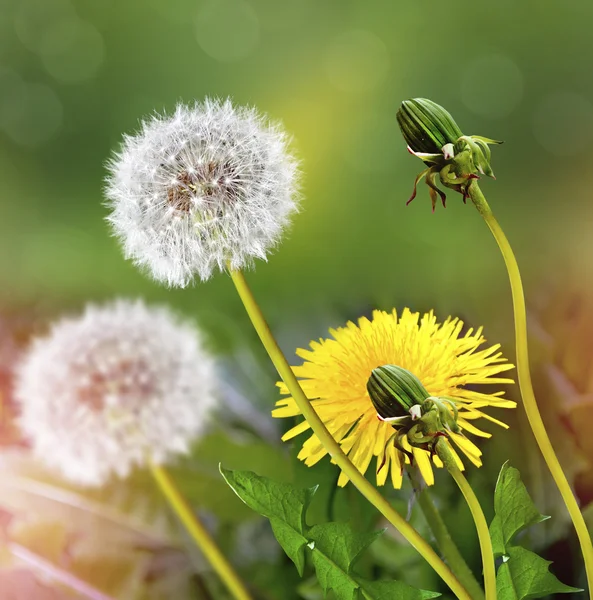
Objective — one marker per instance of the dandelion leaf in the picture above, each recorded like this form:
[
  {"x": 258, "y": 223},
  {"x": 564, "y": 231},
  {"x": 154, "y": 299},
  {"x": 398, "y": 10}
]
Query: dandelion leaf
[
  {"x": 284, "y": 505},
  {"x": 388, "y": 590},
  {"x": 523, "y": 574},
  {"x": 513, "y": 507},
  {"x": 333, "y": 547}
]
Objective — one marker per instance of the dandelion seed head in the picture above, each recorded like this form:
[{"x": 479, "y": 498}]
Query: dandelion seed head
[
  {"x": 213, "y": 184},
  {"x": 112, "y": 388}
]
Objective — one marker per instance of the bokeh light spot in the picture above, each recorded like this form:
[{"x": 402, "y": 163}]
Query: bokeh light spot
[
  {"x": 563, "y": 123},
  {"x": 227, "y": 30},
  {"x": 492, "y": 86},
  {"x": 72, "y": 50},
  {"x": 33, "y": 17},
  {"x": 357, "y": 61},
  {"x": 40, "y": 117}
]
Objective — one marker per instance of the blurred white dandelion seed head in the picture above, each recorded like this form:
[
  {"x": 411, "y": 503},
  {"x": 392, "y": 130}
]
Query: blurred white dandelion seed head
[
  {"x": 210, "y": 185},
  {"x": 110, "y": 389}
]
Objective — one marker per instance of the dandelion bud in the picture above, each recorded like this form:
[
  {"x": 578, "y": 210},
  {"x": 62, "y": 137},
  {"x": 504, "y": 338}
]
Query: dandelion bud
[
  {"x": 426, "y": 126},
  {"x": 209, "y": 186},
  {"x": 110, "y": 389},
  {"x": 394, "y": 391},
  {"x": 433, "y": 136},
  {"x": 401, "y": 400}
]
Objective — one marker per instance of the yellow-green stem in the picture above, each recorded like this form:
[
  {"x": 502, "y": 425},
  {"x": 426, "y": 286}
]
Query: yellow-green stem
[
  {"x": 443, "y": 539},
  {"x": 529, "y": 401},
  {"x": 445, "y": 455},
  {"x": 330, "y": 444},
  {"x": 199, "y": 534}
]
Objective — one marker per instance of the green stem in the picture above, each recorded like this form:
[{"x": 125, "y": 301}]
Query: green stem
[
  {"x": 445, "y": 455},
  {"x": 331, "y": 445},
  {"x": 199, "y": 534},
  {"x": 529, "y": 401},
  {"x": 443, "y": 538}
]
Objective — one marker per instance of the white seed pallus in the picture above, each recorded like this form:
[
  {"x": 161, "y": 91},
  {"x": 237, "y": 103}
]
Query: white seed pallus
[
  {"x": 209, "y": 186},
  {"x": 119, "y": 385}
]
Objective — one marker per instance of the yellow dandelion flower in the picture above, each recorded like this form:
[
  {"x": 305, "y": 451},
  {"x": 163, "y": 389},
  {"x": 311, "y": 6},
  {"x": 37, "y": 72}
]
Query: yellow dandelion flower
[{"x": 445, "y": 360}]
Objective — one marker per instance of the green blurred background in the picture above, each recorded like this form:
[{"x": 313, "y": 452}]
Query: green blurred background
[{"x": 76, "y": 74}]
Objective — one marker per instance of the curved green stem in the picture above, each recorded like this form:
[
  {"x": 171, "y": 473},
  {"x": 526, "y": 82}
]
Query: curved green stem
[
  {"x": 199, "y": 533},
  {"x": 444, "y": 541},
  {"x": 486, "y": 550},
  {"x": 529, "y": 401},
  {"x": 330, "y": 444}
]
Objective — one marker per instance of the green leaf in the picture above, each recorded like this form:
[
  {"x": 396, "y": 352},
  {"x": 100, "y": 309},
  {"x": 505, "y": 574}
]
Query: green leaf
[
  {"x": 497, "y": 537},
  {"x": 387, "y": 590},
  {"x": 525, "y": 575},
  {"x": 284, "y": 505},
  {"x": 334, "y": 547},
  {"x": 522, "y": 574},
  {"x": 334, "y": 550},
  {"x": 513, "y": 507}
]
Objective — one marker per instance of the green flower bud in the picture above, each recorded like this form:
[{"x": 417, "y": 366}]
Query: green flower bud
[
  {"x": 394, "y": 391},
  {"x": 426, "y": 126},
  {"x": 433, "y": 136},
  {"x": 418, "y": 418}
]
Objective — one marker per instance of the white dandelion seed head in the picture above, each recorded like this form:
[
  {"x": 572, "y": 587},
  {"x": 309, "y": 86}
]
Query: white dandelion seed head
[
  {"x": 112, "y": 388},
  {"x": 211, "y": 185}
]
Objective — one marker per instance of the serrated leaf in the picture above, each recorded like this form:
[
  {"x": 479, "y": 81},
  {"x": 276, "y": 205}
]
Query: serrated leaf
[
  {"x": 387, "y": 590},
  {"x": 524, "y": 575},
  {"x": 283, "y": 504},
  {"x": 513, "y": 507},
  {"x": 334, "y": 547},
  {"x": 338, "y": 541}
]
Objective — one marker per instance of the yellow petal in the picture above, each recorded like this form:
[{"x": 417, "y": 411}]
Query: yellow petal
[
  {"x": 422, "y": 459},
  {"x": 396, "y": 470},
  {"x": 343, "y": 479},
  {"x": 383, "y": 467},
  {"x": 467, "y": 446},
  {"x": 291, "y": 410},
  {"x": 298, "y": 429},
  {"x": 473, "y": 429}
]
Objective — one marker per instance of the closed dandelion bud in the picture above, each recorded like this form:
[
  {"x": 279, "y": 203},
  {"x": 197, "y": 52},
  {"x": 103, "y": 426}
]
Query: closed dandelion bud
[
  {"x": 394, "y": 391},
  {"x": 118, "y": 386},
  {"x": 433, "y": 136},
  {"x": 212, "y": 185},
  {"x": 426, "y": 126}
]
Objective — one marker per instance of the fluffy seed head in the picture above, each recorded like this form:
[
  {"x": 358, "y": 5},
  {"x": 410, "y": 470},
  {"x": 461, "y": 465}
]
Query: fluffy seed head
[
  {"x": 211, "y": 185},
  {"x": 112, "y": 388}
]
